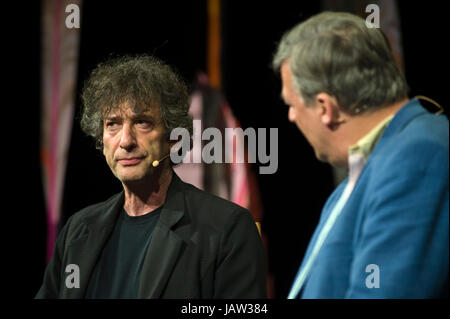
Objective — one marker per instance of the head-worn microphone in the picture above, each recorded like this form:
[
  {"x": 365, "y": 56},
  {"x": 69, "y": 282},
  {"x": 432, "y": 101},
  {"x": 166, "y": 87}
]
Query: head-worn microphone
[{"x": 156, "y": 162}]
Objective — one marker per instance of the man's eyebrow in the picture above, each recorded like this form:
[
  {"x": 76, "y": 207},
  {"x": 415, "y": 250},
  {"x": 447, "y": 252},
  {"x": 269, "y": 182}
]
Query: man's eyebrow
[
  {"x": 133, "y": 117},
  {"x": 112, "y": 117},
  {"x": 145, "y": 116}
]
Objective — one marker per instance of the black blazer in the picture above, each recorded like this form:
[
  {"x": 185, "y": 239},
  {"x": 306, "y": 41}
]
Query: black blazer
[{"x": 202, "y": 247}]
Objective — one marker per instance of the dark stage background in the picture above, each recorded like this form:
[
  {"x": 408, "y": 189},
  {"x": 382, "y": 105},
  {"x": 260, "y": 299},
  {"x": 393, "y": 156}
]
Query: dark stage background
[{"x": 176, "y": 32}]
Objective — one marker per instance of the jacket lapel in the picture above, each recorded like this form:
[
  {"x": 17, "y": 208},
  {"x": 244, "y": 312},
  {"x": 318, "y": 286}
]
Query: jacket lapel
[
  {"x": 86, "y": 249},
  {"x": 165, "y": 245}
]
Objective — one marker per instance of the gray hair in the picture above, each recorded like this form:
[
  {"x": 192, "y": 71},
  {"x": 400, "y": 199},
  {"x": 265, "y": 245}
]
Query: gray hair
[
  {"x": 143, "y": 81},
  {"x": 336, "y": 53}
]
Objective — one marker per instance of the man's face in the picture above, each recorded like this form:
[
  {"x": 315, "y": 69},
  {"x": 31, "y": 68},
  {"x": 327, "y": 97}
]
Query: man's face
[
  {"x": 307, "y": 118},
  {"x": 133, "y": 141}
]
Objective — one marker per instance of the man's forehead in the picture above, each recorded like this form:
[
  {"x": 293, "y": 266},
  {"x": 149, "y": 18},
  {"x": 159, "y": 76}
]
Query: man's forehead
[
  {"x": 285, "y": 70},
  {"x": 125, "y": 110},
  {"x": 285, "y": 80},
  {"x": 283, "y": 93}
]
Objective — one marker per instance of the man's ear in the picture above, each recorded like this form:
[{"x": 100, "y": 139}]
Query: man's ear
[{"x": 330, "y": 115}]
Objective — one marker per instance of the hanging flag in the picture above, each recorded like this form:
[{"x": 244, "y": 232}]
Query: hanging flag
[
  {"x": 230, "y": 180},
  {"x": 60, "y": 42}
]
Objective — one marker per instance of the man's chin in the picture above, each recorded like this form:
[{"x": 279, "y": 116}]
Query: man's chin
[
  {"x": 332, "y": 161},
  {"x": 130, "y": 179},
  {"x": 129, "y": 176},
  {"x": 321, "y": 157}
]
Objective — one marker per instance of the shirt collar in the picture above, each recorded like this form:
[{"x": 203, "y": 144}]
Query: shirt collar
[{"x": 366, "y": 144}]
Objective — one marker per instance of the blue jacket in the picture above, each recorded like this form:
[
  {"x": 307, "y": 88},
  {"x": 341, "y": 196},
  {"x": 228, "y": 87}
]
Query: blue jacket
[{"x": 397, "y": 218}]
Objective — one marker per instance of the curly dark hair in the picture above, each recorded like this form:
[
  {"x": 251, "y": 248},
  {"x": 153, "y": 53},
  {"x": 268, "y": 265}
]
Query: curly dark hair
[{"x": 140, "y": 80}]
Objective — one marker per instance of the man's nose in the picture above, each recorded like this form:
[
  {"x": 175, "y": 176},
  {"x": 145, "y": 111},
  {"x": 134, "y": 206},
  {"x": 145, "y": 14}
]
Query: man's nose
[
  {"x": 291, "y": 114},
  {"x": 128, "y": 138}
]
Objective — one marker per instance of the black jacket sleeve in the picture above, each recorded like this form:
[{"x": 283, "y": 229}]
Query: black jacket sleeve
[{"x": 241, "y": 267}]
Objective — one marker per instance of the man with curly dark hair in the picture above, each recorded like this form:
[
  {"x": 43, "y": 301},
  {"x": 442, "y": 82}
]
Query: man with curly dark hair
[{"x": 159, "y": 237}]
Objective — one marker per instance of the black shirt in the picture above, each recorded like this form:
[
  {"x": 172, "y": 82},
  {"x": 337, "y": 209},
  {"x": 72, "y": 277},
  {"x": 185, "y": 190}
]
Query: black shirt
[{"x": 117, "y": 272}]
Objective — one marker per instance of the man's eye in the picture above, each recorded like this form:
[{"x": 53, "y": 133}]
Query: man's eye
[
  {"x": 111, "y": 125},
  {"x": 144, "y": 124}
]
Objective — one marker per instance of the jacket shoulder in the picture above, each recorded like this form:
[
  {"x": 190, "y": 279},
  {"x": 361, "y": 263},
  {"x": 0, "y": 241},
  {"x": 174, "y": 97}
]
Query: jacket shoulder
[
  {"x": 91, "y": 211},
  {"x": 211, "y": 208},
  {"x": 422, "y": 139}
]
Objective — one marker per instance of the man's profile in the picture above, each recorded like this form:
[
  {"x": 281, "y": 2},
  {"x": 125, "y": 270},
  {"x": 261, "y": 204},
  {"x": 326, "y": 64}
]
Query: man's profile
[{"x": 383, "y": 232}]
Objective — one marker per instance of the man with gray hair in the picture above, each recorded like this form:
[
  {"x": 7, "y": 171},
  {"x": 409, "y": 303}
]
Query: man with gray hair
[
  {"x": 159, "y": 237},
  {"x": 383, "y": 233}
]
